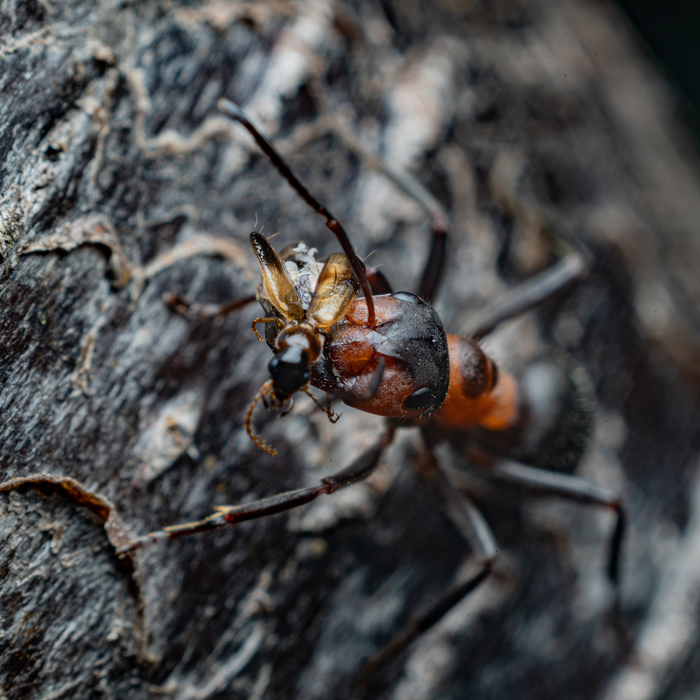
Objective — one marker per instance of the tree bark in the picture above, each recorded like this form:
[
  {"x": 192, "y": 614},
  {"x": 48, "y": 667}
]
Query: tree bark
[{"x": 538, "y": 125}]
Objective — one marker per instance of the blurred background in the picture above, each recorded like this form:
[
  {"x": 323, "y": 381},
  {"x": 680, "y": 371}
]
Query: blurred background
[{"x": 538, "y": 125}]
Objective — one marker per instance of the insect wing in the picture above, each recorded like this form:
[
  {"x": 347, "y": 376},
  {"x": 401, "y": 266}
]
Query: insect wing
[
  {"x": 337, "y": 286},
  {"x": 277, "y": 287}
]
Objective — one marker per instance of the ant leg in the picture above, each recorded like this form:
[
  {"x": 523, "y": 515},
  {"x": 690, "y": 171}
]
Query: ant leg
[
  {"x": 371, "y": 391},
  {"x": 373, "y": 388},
  {"x": 267, "y": 319},
  {"x": 332, "y": 416},
  {"x": 378, "y": 282},
  {"x": 225, "y": 516},
  {"x": 573, "y": 488},
  {"x": 526, "y": 296},
  {"x": 439, "y": 227},
  {"x": 192, "y": 309},
  {"x": 435, "y": 265},
  {"x": 470, "y": 523}
]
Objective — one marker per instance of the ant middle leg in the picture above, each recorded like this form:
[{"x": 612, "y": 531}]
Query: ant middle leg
[
  {"x": 569, "y": 269},
  {"x": 526, "y": 296}
]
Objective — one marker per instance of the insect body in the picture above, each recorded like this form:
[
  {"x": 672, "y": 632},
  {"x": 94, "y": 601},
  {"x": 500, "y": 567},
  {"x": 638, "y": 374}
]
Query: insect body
[
  {"x": 388, "y": 354},
  {"x": 319, "y": 332}
]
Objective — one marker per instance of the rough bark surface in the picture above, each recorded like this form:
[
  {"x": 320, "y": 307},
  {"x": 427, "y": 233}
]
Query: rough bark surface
[{"x": 536, "y": 124}]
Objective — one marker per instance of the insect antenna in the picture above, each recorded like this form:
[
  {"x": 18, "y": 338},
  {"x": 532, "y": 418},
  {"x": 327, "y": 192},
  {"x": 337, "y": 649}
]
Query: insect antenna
[{"x": 234, "y": 112}]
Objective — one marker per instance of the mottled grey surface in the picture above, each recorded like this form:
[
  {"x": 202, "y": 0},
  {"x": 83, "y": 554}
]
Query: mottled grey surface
[{"x": 534, "y": 123}]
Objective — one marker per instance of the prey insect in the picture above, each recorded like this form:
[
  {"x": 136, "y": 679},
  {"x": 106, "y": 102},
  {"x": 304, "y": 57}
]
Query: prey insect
[{"x": 387, "y": 353}]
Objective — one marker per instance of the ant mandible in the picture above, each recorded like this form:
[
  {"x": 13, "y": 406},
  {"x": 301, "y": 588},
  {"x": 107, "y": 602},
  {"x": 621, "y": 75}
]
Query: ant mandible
[{"x": 388, "y": 354}]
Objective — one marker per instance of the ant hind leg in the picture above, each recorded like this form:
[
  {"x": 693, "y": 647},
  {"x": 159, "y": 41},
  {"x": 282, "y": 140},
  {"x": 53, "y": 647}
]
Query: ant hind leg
[
  {"x": 472, "y": 526},
  {"x": 542, "y": 482}
]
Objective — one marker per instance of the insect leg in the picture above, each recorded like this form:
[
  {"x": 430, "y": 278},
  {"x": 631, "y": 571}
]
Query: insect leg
[
  {"x": 332, "y": 416},
  {"x": 546, "y": 483},
  {"x": 191, "y": 309},
  {"x": 526, "y": 296},
  {"x": 470, "y": 523},
  {"x": 435, "y": 265},
  {"x": 378, "y": 282},
  {"x": 267, "y": 319},
  {"x": 225, "y": 516}
]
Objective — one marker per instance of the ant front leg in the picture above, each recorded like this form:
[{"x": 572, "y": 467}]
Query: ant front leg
[
  {"x": 226, "y": 516},
  {"x": 516, "y": 301},
  {"x": 234, "y": 112},
  {"x": 439, "y": 221},
  {"x": 435, "y": 265},
  {"x": 378, "y": 281},
  {"x": 472, "y": 526}
]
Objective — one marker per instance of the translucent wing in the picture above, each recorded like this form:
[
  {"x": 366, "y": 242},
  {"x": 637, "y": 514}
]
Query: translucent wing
[
  {"x": 277, "y": 287},
  {"x": 337, "y": 286}
]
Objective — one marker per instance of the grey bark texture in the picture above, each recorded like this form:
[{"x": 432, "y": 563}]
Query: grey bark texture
[{"x": 538, "y": 124}]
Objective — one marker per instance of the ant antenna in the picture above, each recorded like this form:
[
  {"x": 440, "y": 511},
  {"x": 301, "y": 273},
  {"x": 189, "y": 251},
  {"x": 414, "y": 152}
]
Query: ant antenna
[{"x": 233, "y": 111}]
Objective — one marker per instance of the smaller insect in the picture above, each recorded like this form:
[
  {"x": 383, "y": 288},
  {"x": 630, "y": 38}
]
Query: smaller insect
[
  {"x": 388, "y": 354},
  {"x": 320, "y": 334}
]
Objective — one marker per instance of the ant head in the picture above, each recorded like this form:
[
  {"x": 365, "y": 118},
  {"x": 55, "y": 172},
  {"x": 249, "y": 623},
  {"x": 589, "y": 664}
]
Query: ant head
[
  {"x": 399, "y": 369},
  {"x": 418, "y": 339}
]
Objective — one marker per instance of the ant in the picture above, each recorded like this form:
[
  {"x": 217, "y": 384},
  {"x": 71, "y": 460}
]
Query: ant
[{"x": 387, "y": 353}]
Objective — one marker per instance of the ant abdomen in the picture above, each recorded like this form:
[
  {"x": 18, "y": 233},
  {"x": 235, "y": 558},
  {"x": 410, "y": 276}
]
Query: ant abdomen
[
  {"x": 559, "y": 409},
  {"x": 555, "y": 400}
]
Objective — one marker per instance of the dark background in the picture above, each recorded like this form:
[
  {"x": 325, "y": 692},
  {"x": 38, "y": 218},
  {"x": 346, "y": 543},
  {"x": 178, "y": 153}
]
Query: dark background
[{"x": 670, "y": 30}]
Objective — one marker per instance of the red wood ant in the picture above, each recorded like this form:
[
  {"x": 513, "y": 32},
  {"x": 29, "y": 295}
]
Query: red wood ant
[{"x": 388, "y": 354}]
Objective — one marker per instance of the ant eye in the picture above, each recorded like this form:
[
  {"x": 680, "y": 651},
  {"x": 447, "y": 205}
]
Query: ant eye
[{"x": 419, "y": 399}]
